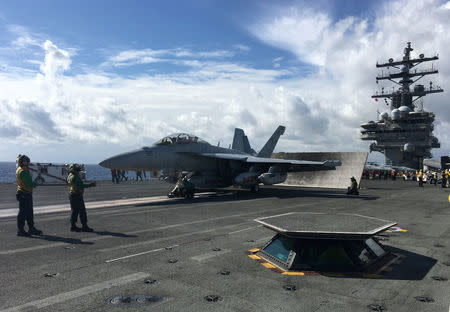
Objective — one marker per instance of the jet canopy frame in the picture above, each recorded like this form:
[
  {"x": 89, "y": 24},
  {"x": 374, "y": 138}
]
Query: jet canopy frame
[{"x": 180, "y": 138}]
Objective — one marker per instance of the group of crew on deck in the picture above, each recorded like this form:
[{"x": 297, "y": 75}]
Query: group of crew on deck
[
  {"x": 24, "y": 196},
  {"x": 118, "y": 175}
]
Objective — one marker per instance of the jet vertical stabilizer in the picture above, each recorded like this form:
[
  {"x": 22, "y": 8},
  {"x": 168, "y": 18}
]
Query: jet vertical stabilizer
[
  {"x": 238, "y": 140},
  {"x": 241, "y": 143},
  {"x": 268, "y": 148}
]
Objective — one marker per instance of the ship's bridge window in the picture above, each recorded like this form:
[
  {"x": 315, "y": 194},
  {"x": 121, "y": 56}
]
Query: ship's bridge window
[{"x": 180, "y": 138}]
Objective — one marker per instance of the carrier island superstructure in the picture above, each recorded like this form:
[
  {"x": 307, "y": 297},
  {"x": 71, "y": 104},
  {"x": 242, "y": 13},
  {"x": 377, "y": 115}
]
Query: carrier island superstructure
[{"x": 404, "y": 134}]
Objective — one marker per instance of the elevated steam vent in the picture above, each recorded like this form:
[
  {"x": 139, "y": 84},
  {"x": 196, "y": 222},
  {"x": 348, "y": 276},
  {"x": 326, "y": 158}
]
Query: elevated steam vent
[{"x": 324, "y": 242}]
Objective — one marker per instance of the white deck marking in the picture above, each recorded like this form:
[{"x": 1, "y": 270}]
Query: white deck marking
[
  {"x": 200, "y": 257},
  {"x": 246, "y": 229},
  {"x": 92, "y": 239},
  {"x": 169, "y": 238},
  {"x": 39, "y": 304},
  {"x": 131, "y": 210},
  {"x": 210, "y": 255},
  {"x": 97, "y": 238},
  {"x": 139, "y": 254},
  {"x": 12, "y": 212}
]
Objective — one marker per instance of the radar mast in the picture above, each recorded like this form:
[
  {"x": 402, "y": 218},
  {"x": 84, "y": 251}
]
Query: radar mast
[{"x": 404, "y": 134}]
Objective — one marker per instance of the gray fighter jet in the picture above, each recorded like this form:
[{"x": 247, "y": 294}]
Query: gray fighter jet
[{"x": 213, "y": 166}]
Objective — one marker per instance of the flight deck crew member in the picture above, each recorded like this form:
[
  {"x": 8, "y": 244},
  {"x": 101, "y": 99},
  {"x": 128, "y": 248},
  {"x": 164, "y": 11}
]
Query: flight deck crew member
[
  {"x": 76, "y": 190},
  {"x": 443, "y": 179},
  {"x": 24, "y": 195},
  {"x": 353, "y": 189},
  {"x": 420, "y": 178},
  {"x": 434, "y": 178}
]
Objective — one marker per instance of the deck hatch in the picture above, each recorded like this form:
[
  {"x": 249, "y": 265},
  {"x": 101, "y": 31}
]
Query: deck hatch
[{"x": 308, "y": 242}]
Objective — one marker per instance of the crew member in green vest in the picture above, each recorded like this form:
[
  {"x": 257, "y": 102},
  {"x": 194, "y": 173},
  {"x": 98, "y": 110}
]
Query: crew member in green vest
[
  {"x": 24, "y": 195},
  {"x": 76, "y": 190}
]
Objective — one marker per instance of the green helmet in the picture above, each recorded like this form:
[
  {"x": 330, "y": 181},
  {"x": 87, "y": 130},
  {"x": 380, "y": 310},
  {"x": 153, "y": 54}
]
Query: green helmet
[{"x": 21, "y": 159}]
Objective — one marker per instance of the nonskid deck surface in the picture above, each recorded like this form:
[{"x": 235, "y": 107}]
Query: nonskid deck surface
[
  {"x": 57, "y": 194},
  {"x": 193, "y": 255}
]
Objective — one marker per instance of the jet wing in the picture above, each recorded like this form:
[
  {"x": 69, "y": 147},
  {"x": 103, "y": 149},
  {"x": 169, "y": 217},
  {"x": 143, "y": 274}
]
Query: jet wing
[{"x": 291, "y": 165}]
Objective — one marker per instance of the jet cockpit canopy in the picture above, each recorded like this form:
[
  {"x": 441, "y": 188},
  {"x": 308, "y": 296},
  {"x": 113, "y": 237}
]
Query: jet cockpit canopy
[{"x": 180, "y": 138}]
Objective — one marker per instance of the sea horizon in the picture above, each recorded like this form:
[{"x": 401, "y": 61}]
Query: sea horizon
[{"x": 94, "y": 172}]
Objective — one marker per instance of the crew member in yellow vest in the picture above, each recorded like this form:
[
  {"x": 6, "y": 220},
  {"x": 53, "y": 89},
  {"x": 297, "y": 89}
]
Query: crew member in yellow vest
[
  {"x": 76, "y": 190},
  {"x": 434, "y": 178},
  {"x": 24, "y": 195},
  {"x": 444, "y": 177},
  {"x": 420, "y": 177}
]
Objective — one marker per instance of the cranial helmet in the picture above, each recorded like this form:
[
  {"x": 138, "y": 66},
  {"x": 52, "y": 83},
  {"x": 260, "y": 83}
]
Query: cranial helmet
[
  {"x": 74, "y": 168},
  {"x": 21, "y": 159}
]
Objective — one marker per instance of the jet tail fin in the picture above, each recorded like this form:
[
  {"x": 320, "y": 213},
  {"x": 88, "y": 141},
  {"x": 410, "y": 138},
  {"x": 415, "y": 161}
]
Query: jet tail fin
[
  {"x": 241, "y": 143},
  {"x": 268, "y": 148},
  {"x": 238, "y": 140}
]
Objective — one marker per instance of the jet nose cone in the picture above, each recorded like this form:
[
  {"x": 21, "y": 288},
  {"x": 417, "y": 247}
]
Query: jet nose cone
[
  {"x": 113, "y": 162},
  {"x": 130, "y": 160},
  {"x": 106, "y": 163}
]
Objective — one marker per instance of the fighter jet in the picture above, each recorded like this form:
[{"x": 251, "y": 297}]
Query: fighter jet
[{"x": 212, "y": 167}]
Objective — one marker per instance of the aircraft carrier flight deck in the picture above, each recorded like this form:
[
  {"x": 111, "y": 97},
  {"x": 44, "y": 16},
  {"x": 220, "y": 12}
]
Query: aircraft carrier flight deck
[{"x": 152, "y": 253}]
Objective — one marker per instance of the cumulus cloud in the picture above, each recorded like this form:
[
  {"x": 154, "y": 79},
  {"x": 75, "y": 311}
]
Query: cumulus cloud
[
  {"x": 56, "y": 60},
  {"x": 27, "y": 121},
  {"x": 9, "y": 131},
  {"x": 309, "y": 28},
  {"x": 52, "y": 107}
]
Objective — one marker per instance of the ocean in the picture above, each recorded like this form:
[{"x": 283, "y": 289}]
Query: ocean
[{"x": 93, "y": 172}]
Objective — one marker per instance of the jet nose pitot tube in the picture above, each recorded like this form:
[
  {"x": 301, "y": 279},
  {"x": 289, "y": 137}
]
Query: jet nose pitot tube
[{"x": 126, "y": 161}]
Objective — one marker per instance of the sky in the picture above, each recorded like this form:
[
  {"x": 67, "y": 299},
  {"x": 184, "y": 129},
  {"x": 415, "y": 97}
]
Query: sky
[{"x": 83, "y": 80}]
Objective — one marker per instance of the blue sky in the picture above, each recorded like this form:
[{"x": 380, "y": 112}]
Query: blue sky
[
  {"x": 99, "y": 77},
  {"x": 97, "y": 29}
]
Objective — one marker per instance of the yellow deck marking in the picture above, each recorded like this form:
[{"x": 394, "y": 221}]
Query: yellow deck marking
[
  {"x": 255, "y": 257},
  {"x": 293, "y": 273},
  {"x": 396, "y": 229},
  {"x": 268, "y": 265},
  {"x": 254, "y": 250}
]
